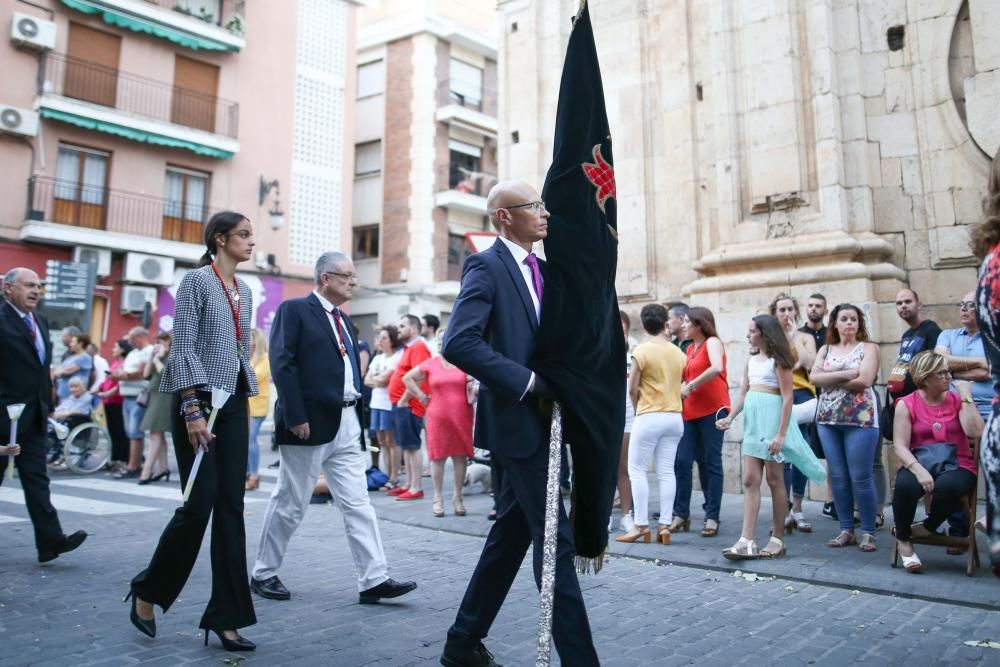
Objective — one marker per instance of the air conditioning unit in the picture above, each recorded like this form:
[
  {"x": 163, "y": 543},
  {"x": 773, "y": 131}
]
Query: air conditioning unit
[
  {"x": 23, "y": 122},
  {"x": 32, "y": 32},
  {"x": 135, "y": 298},
  {"x": 149, "y": 269},
  {"x": 99, "y": 257}
]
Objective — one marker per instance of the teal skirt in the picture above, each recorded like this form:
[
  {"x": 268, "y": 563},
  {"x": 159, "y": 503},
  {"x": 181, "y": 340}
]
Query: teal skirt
[{"x": 761, "y": 418}]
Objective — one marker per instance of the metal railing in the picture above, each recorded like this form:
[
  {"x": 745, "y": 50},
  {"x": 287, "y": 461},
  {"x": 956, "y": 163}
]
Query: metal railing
[
  {"x": 79, "y": 205},
  {"x": 90, "y": 82},
  {"x": 217, "y": 12},
  {"x": 464, "y": 179},
  {"x": 456, "y": 92}
]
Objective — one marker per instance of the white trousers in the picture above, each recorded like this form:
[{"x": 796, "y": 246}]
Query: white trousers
[
  {"x": 343, "y": 463},
  {"x": 654, "y": 434}
]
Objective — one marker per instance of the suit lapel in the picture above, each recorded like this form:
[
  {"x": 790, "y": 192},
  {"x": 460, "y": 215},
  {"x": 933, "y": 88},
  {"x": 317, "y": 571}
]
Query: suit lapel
[
  {"x": 17, "y": 324},
  {"x": 323, "y": 319},
  {"x": 518, "y": 279}
]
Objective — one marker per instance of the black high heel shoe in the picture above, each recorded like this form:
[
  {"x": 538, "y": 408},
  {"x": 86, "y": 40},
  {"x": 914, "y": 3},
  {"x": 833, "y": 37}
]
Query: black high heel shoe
[
  {"x": 164, "y": 474},
  {"x": 147, "y": 628},
  {"x": 238, "y": 644}
]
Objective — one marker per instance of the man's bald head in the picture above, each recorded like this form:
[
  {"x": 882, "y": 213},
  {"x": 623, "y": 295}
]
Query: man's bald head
[{"x": 507, "y": 193}]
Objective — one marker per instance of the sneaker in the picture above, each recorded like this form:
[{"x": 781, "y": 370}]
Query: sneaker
[
  {"x": 830, "y": 511},
  {"x": 627, "y": 522}
]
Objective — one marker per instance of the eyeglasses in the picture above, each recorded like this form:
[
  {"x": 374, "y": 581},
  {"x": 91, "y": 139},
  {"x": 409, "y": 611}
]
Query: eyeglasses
[
  {"x": 243, "y": 234},
  {"x": 349, "y": 277},
  {"x": 531, "y": 205},
  {"x": 966, "y": 305}
]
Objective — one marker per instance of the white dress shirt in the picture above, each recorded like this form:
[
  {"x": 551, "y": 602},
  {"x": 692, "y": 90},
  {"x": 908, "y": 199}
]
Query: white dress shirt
[
  {"x": 349, "y": 392},
  {"x": 520, "y": 254}
]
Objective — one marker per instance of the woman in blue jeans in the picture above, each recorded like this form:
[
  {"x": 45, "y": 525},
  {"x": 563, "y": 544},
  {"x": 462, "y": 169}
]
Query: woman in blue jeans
[
  {"x": 847, "y": 419},
  {"x": 705, "y": 392}
]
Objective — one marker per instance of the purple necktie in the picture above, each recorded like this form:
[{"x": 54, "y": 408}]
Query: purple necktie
[{"x": 536, "y": 276}]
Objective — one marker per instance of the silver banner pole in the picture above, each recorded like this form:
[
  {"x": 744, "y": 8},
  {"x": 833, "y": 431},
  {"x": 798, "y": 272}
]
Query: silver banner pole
[{"x": 553, "y": 498}]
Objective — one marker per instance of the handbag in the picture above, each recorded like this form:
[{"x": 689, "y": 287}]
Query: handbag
[
  {"x": 937, "y": 457},
  {"x": 376, "y": 478},
  {"x": 143, "y": 398}
]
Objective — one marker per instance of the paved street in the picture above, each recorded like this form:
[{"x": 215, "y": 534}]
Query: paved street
[{"x": 651, "y": 605}]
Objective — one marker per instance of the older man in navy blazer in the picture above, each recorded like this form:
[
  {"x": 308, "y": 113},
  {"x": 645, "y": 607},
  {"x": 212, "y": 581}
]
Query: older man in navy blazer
[
  {"x": 491, "y": 336},
  {"x": 316, "y": 370},
  {"x": 25, "y": 356}
]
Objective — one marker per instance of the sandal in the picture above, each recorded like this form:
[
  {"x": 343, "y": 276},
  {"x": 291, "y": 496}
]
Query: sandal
[
  {"x": 867, "y": 543},
  {"x": 845, "y": 539},
  {"x": 770, "y": 555},
  {"x": 711, "y": 528},
  {"x": 744, "y": 549},
  {"x": 799, "y": 519},
  {"x": 912, "y": 562},
  {"x": 438, "y": 508},
  {"x": 879, "y": 521},
  {"x": 389, "y": 485}
]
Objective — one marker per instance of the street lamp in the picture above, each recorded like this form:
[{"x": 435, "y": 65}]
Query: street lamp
[{"x": 275, "y": 213}]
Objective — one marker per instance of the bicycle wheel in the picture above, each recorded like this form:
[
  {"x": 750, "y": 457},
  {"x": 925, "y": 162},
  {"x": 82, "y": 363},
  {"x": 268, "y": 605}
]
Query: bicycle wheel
[{"x": 87, "y": 448}]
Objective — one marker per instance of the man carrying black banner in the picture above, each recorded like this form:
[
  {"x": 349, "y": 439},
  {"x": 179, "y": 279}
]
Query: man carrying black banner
[{"x": 528, "y": 349}]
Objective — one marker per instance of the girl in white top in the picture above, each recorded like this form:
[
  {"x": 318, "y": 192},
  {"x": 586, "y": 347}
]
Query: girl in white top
[
  {"x": 379, "y": 371},
  {"x": 770, "y": 435}
]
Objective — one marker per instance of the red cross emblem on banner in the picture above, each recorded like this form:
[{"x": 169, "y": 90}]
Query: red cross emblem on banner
[{"x": 602, "y": 176}]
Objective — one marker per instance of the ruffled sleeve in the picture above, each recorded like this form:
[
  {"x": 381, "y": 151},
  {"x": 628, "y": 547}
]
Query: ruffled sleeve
[{"x": 184, "y": 368}]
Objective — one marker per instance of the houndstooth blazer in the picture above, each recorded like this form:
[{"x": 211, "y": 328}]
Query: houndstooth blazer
[{"x": 204, "y": 353}]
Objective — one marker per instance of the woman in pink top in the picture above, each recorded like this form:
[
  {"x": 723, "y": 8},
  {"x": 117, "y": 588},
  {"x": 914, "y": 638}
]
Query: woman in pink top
[{"x": 932, "y": 415}]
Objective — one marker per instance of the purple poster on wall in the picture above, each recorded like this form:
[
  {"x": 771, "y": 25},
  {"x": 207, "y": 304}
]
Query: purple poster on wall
[{"x": 267, "y": 295}]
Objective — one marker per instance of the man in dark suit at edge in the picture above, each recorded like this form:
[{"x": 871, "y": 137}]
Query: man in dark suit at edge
[
  {"x": 491, "y": 336},
  {"x": 316, "y": 370},
  {"x": 25, "y": 356}
]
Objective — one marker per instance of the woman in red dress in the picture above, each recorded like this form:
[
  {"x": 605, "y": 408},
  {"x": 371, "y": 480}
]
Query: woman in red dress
[{"x": 448, "y": 422}]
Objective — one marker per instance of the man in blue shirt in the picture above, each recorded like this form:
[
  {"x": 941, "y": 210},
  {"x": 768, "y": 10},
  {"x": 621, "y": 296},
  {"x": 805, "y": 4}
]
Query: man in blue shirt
[
  {"x": 966, "y": 357},
  {"x": 967, "y": 361}
]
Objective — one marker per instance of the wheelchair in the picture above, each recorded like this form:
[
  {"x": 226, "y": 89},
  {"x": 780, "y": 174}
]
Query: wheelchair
[{"x": 85, "y": 444}]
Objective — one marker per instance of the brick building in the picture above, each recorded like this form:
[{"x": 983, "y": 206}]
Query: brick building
[{"x": 425, "y": 152}]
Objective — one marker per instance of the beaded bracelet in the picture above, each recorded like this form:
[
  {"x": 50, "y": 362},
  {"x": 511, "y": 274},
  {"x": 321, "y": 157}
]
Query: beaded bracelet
[
  {"x": 191, "y": 401},
  {"x": 194, "y": 416}
]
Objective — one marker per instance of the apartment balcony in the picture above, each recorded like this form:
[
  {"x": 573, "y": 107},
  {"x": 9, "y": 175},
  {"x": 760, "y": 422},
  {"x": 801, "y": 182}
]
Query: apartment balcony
[
  {"x": 207, "y": 25},
  {"x": 466, "y": 110},
  {"x": 72, "y": 213},
  {"x": 104, "y": 99},
  {"x": 467, "y": 188}
]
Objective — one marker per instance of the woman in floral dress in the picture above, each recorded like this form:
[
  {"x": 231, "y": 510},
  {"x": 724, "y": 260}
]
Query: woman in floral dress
[{"x": 986, "y": 243}]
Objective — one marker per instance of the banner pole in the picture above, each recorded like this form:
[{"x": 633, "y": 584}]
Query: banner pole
[{"x": 553, "y": 498}]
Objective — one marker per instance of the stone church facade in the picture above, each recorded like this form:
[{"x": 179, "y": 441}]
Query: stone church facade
[{"x": 761, "y": 146}]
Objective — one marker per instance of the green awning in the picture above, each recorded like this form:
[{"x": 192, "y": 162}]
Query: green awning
[
  {"x": 140, "y": 24},
  {"x": 133, "y": 134}
]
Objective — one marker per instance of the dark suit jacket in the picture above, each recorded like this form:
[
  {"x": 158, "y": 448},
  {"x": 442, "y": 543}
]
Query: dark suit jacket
[
  {"x": 491, "y": 336},
  {"x": 308, "y": 372},
  {"x": 23, "y": 378}
]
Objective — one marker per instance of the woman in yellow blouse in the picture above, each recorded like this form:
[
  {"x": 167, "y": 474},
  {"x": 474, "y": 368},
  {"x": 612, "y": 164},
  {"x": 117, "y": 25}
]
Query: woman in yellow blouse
[{"x": 259, "y": 404}]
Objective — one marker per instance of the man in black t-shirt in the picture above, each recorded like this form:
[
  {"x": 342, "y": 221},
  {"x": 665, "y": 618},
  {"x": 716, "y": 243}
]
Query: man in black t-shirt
[
  {"x": 815, "y": 313},
  {"x": 921, "y": 335}
]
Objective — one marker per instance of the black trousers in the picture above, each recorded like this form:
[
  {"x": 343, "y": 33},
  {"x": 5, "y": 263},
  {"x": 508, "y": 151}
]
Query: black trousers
[
  {"x": 520, "y": 523},
  {"x": 116, "y": 429},
  {"x": 34, "y": 476},
  {"x": 217, "y": 494},
  {"x": 949, "y": 487}
]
